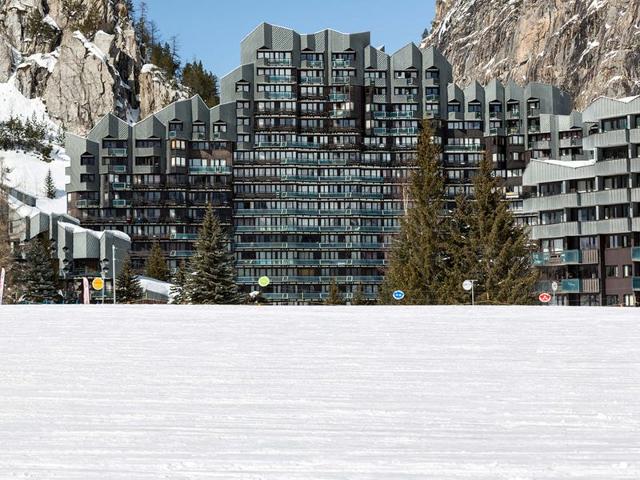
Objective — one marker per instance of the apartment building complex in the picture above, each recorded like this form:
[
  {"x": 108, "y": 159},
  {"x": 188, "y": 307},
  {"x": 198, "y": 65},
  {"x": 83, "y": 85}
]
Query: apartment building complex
[
  {"x": 586, "y": 213},
  {"x": 306, "y": 158}
]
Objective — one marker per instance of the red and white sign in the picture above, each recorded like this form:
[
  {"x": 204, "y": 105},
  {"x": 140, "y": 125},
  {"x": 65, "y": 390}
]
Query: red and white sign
[{"x": 544, "y": 297}]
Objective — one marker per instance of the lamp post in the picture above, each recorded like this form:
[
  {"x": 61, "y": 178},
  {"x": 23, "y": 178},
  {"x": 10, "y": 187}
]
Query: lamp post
[
  {"x": 113, "y": 267},
  {"x": 103, "y": 273}
]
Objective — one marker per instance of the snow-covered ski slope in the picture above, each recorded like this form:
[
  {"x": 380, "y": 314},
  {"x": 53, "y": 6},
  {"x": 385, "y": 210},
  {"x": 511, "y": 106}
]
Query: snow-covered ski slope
[{"x": 327, "y": 393}]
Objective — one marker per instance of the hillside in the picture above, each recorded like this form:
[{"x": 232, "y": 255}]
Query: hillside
[
  {"x": 82, "y": 59},
  {"x": 587, "y": 47}
]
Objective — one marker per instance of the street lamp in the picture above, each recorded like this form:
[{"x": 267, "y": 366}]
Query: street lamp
[{"x": 103, "y": 274}]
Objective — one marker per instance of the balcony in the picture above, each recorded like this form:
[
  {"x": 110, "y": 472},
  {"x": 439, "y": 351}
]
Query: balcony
[
  {"x": 495, "y": 115},
  {"x": 533, "y": 112},
  {"x": 277, "y": 61},
  {"x": 280, "y": 95},
  {"x": 115, "y": 152},
  {"x": 85, "y": 203},
  {"x": 570, "y": 142},
  {"x": 566, "y": 257},
  {"x": 338, "y": 97},
  {"x": 288, "y": 145},
  {"x": 118, "y": 168},
  {"x": 432, "y": 98},
  {"x": 533, "y": 129},
  {"x": 394, "y": 115},
  {"x": 281, "y": 79},
  {"x": 311, "y": 80},
  {"x": 635, "y": 254},
  {"x": 342, "y": 63},
  {"x": 340, "y": 113},
  {"x": 120, "y": 186},
  {"x": 312, "y": 64},
  {"x": 464, "y": 148},
  {"x": 541, "y": 145},
  {"x": 120, "y": 203},
  {"x": 342, "y": 80},
  {"x": 183, "y": 236},
  {"x": 570, "y": 285},
  {"x": 513, "y": 115},
  {"x": 198, "y": 136},
  {"x": 181, "y": 253},
  {"x": 636, "y": 284},
  {"x": 201, "y": 170}
]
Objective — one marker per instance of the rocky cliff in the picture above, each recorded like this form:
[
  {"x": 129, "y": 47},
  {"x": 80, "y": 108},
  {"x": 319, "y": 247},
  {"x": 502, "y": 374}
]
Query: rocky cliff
[
  {"x": 587, "y": 47},
  {"x": 81, "y": 58}
]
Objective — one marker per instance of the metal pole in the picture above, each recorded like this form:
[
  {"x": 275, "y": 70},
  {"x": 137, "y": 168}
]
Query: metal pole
[
  {"x": 103, "y": 284},
  {"x": 473, "y": 299},
  {"x": 113, "y": 272}
]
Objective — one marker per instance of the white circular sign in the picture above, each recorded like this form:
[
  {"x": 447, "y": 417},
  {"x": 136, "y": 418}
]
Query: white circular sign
[
  {"x": 467, "y": 285},
  {"x": 554, "y": 286}
]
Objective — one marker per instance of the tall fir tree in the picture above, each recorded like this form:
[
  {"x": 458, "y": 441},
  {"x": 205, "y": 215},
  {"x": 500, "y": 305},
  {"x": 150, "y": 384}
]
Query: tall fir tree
[
  {"x": 156, "y": 265},
  {"x": 334, "y": 297},
  {"x": 38, "y": 278},
  {"x": 418, "y": 259},
  {"x": 358, "y": 297},
  {"x": 498, "y": 250},
  {"x": 6, "y": 254},
  {"x": 128, "y": 289},
  {"x": 201, "y": 81},
  {"x": 212, "y": 277},
  {"x": 49, "y": 186},
  {"x": 177, "y": 291}
]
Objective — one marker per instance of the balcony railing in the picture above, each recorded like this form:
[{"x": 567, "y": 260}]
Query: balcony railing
[
  {"x": 406, "y": 114},
  {"x": 636, "y": 284},
  {"x": 566, "y": 257},
  {"x": 280, "y": 95},
  {"x": 117, "y": 152},
  {"x": 635, "y": 254},
  {"x": 209, "y": 169},
  {"x": 118, "y": 168},
  {"x": 120, "y": 186},
  {"x": 281, "y": 79},
  {"x": 432, "y": 98},
  {"x": 344, "y": 80},
  {"x": 464, "y": 148},
  {"x": 342, "y": 63},
  {"x": 120, "y": 203},
  {"x": 183, "y": 236},
  {"x": 181, "y": 253},
  {"x": 277, "y": 61},
  {"x": 338, "y": 97},
  {"x": 570, "y": 285},
  {"x": 340, "y": 113},
  {"x": 313, "y": 80}
]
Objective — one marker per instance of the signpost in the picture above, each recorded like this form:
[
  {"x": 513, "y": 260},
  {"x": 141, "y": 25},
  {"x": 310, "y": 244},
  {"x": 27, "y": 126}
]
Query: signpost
[
  {"x": 398, "y": 295},
  {"x": 544, "y": 297},
  {"x": 469, "y": 285}
]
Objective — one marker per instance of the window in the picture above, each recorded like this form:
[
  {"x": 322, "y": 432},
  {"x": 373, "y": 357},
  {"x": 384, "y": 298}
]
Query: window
[
  {"x": 87, "y": 160},
  {"x": 611, "y": 300},
  {"x": 432, "y": 73},
  {"x": 627, "y": 271},
  {"x": 611, "y": 271},
  {"x": 453, "y": 107},
  {"x": 618, "y": 241},
  {"x": 610, "y": 124},
  {"x": 242, "y": 86},
  {"x": 175, "y": 126},
  {"x": 629, "y": 300},
  {"x": 87, "y": 177}
]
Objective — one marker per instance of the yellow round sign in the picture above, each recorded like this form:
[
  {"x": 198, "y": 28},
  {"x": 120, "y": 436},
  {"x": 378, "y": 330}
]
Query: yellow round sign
[
  {"x": 97, "y": 283},
  {"x": 264, "y": 281}
]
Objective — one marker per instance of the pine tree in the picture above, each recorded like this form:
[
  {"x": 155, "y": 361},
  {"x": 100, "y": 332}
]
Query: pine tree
[
  {"x": 6, "y": 255},
  {"x": 128, "y": 289},
  {"x": 156, "y": 265},
  {"x": 499, "y": 251},
  {"x": 212, "y": 276},
  {"x": 49, "y": 185},
  {"x": 358, "y": 297},
  {"x": 334, "y": 297},
  {"x": 177, "y": 290},
  {"x": 37, "y": 277},
  {"x": 418, "y": 259},
  {"x": 201, "y": 81}
]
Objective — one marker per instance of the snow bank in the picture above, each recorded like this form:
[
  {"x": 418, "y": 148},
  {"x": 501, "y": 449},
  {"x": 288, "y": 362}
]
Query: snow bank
[
  {"x": 331, "y": 393},
  {"x": 28, "y": 172},
  {"x": 14, "y": 104},
  {"x": 156, "y": 286}
]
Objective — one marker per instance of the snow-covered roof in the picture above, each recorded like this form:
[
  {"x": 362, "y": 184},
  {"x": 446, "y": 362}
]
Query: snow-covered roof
[{"x": 155, "y": 286}]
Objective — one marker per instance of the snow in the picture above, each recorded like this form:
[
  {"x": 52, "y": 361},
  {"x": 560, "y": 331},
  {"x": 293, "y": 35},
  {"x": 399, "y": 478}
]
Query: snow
[
  {"x": 14, "y": 104},
  {"x": 148, "y": 67},
  {"x": 590, "y": 46},
  {"x": 156, "y": 286},
  {"x": 44, "y": 60},
  {"x": 322, "y": 393},
  {"x": 91, "y": 47},
  {"x": 27, "y": 174},
  {"x": 570, "y": 163},
  {"x": 50, "y": 21}
]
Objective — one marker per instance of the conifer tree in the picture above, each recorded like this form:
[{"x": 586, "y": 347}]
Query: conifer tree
[
  {"x": 358, "y": 297},
  {"x": 128, "y": 289},
  {"x": 6, "y": 255},
  {"x": 212, "y": 273},
  {"x": 418, "y": 259},
  {"x": 177, "y": 290},
  {"x": 37, "y": 278},
  {"x": 156, "y": 265},
  {"x": 498, "y": 250},
  {"x": 334, "y": 297},
  {"x": 202, "y": 82},
  {"x": 49, "y": 185}
]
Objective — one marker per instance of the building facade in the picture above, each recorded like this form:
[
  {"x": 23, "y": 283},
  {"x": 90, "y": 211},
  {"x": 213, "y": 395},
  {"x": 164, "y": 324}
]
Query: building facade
[
  {"x": 307, "y": 157},
  {"x": 586, "y": 213}
]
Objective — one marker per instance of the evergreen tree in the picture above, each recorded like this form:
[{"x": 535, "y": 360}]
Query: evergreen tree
[
  {"x": 49, "y": 185},
  {"x": 6, "y": 255},
  {"x": 128, "y": 289},
  {"x": 37, "y": 278},
  {"x": 212, "y": 277},
  {"x": 358, "y": 297},
  {"x": 156, "y": 265},
  {"x": 334, "y": 297},
  {"x": 177, "y": 290},
  {"x": 499, "y": 251},
  {"x": 202, "y": 82},
  {"x": 418, "y": 259}
]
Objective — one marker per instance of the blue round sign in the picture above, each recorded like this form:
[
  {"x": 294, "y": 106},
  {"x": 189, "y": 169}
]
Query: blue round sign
[{"x": 398, "y": 294}]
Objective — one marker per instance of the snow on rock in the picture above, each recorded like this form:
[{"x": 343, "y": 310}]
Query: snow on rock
[
  {"x": 332, "y": 393},
  {"x": 44, "y": 60},
  {"x": 91, "y": 47},
  {"x": 14, "y": 104}
]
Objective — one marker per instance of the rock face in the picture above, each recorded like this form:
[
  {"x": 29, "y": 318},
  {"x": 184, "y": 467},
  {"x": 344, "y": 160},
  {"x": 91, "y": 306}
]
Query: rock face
[
  {"x": 79, "y": 76},
  {"x": 586, "y": 47}
]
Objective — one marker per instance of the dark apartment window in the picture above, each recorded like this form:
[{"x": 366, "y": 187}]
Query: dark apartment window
[
  {"x": 553, "y": 188},
  {"x": 614, "y": 211},
  {"x": 475, "y": 107},
  {"x": 175, "y": 126},
  {"x": 614, "y": 182},
  {"x": 147, "y": 161},
  {"x": 148, "y": 143},
  {"x": 627, "y": 271},
  {"x": 589, "y": 243},
  {"x": 87, "y": 160},
  {"x": 87, "y": 177},
  {"x": 432, "y": 74},
  {"x": 199, "y": 128},
  {"x": 111, "y": 143},
  {"x": 242, "y": 87},
  {"x": 618, "y": 241},
  {"x": 610, "y": 124},
  {"x": 611, "y": 300},
  {"x": 611, "y": 271},
  {"x": 636, "y": 121},
  {"x": 453, "y": 107},
  {"x": 495, "y": 107}
]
